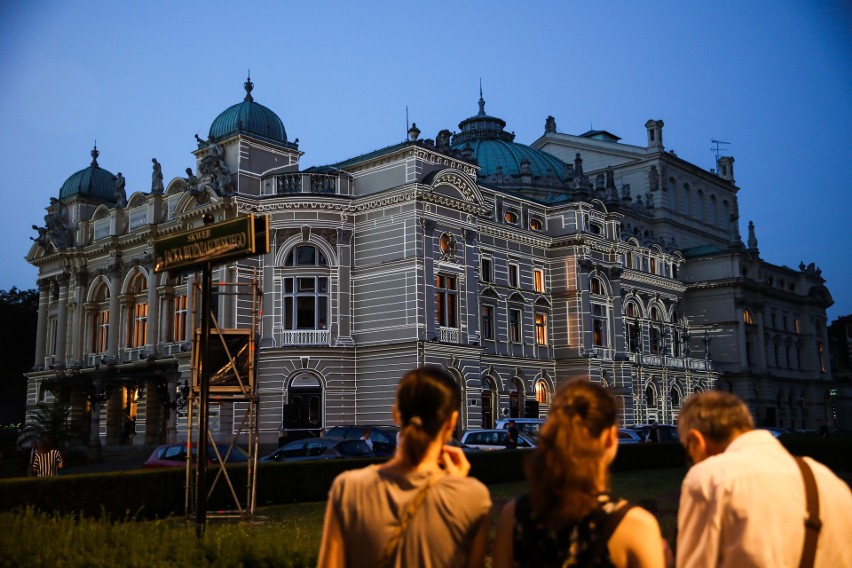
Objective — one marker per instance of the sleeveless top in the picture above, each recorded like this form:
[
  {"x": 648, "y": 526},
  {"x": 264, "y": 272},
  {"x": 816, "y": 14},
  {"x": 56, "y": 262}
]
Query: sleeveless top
[
  {"x": 369, "y": 502},
  {"x": 581, "y": 545}
]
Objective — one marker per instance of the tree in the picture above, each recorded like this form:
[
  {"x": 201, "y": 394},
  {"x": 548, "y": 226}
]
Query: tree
[{"x": 19, "y": 314}]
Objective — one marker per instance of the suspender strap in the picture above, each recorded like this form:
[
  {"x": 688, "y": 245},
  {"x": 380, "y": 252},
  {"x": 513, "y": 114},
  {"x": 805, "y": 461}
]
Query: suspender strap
[{"x": 812, "y": 521}]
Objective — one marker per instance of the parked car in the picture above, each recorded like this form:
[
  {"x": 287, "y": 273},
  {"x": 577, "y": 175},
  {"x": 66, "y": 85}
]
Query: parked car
[
  {"x": 531, "y": 425},
  {"x": 495, "y": 439},
  {"x": 174, "y": 455},
  {"x": 383, "y": 437},
  {"x": 667, "y": 432},
  {"x": 319, "y": 449},
  {"x": 628, "y": 436}
]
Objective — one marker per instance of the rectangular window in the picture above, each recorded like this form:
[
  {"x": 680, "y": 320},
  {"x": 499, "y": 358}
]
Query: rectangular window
[
  {"x": 796, "y": 323},
  {"x": 538, "y": 280},
  {"x": 514, "y": 276},
  {"x": 101, "y": 332},
  {"x": 541, "y": 329},
  {"x": 446, "y": 297},
  {"x": 306, "y": 303},
  {"x": 140, "y": 325},
  {"x": 515, "y": 326},
  {"x": 179, "y": 321},
  {"x": 486, "y": 272},
  {"x": 487, "y": 322}
]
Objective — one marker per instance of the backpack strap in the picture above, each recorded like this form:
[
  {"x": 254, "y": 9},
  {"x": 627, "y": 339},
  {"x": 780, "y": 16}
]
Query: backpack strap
[{"x": 813, "y": 524}]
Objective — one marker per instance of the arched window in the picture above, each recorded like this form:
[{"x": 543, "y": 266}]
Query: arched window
[
  {"x": 137, "y": 312},
  {"x": 516, "y": 398},
  {"x": 595, "y": 286},
  {"x": 686, "y": 195},
  {"x": 99, "y": 322},
  {"x": 511, "y": 217},
  {"x": 542, "y": 394},
  {"x": 747, "y": 317},
  {"x": 305, "y": 255},
  {"x": 675, "y": 397},
  {"x": 726, "y": 215},
  {"x": 304, "y": 403},
  {"x": 714, "y": 211},
  {"x": 699, "y": 203},
  {"x": 489, "y": 403},
  {"x": 672, "y": 193},
  {"x": 305, "y": 294},
  {"x": 650, "y": 396},
  {"x": 535, "y": 224}
]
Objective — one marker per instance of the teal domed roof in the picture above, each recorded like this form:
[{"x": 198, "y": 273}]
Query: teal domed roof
[
  {"x": 495, "y": 148},
  {"x": 93, "y": 181},
  {"x": 249, "y": 117}
]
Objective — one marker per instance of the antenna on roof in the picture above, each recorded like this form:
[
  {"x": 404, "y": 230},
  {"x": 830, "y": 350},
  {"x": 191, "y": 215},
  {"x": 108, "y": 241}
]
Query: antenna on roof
[{"x": 717, "y": 150}]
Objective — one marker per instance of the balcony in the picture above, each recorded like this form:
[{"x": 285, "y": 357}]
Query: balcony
[
  {"x": 329, "y": 184},
  {"x": 130, "y": 354},
  {"x": 302, "y": 337},
  {"x": 94, "y": 359},
  {"x": 671, "y": 362},
  {"x": 168, "y": 349},
  {"x": 602, "y": 353},
  {"x": 449, "y": 335}
]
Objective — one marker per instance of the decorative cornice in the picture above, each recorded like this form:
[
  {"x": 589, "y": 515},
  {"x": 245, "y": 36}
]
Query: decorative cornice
[{"x": 515, "y": 236}]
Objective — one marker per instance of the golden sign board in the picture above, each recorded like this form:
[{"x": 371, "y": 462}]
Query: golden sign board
[{"x": 235, "y": 238}]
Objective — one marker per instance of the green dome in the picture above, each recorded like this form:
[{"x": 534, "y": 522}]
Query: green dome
[
  {"x": 249, "y": 117},
  {"x": 495, "y": 148},
  {"x": 93, "y": 181}
]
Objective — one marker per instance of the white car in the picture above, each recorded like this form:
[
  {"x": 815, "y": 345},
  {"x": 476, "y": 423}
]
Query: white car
[{"x": 494, "y": 439}]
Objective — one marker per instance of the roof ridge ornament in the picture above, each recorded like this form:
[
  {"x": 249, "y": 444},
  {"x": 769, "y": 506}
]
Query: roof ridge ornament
[
  {"x": 248, "y": 86},
  {"x": 94, "y": 153}
]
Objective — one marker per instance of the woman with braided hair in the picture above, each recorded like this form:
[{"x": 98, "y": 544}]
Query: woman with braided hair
[
  {"x": 569, "y": 518},
  {"x": 419, "y": 508}
]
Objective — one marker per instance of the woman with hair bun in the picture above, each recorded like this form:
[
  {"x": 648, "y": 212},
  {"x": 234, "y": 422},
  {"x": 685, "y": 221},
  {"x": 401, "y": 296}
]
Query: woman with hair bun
[
  {"x": 569, "y": 518},
  {"x": 419, "y": 508}
]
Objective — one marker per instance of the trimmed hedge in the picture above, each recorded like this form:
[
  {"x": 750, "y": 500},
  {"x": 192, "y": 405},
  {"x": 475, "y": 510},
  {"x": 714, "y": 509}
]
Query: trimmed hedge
[{"x": 160, "y": 493}]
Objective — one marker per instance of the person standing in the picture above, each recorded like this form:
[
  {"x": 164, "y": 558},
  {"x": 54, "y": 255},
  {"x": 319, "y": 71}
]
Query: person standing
[
  {"x": 512, "y": 435},
  {"x": 744, "y": 502},
  {"x": 48, "y": 460},
  {"x": 366, "y": 437},
  {"x": 419, "y": 508},
  {"x": 569, "y": 517}
]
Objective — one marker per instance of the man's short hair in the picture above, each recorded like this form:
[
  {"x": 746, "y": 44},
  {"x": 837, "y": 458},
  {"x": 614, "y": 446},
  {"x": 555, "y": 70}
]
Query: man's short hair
[{"x": 717, "y": 415}]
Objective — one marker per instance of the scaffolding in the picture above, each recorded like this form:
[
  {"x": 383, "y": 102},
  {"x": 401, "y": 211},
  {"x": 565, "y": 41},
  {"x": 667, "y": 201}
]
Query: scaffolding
[{"x": 232, "y": 379}]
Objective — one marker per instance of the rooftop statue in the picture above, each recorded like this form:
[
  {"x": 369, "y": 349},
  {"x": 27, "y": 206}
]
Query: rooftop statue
[
  {"x": 119, "y": 194},
  {"x": 55, "y": 231},
  {"x": 157, "y": 178}
]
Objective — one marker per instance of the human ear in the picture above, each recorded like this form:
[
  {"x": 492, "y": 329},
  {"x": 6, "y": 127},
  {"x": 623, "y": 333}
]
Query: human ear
[
  {"x": 450, "y": 425},
  {"x": 696, "y": 445}
]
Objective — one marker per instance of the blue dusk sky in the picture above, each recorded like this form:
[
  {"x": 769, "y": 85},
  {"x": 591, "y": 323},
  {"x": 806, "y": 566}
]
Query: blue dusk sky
[{"x": 142, "y": 78}]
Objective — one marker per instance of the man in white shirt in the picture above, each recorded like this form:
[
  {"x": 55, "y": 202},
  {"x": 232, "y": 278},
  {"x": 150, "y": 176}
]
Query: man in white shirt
[{"x": 743, "y": 502}]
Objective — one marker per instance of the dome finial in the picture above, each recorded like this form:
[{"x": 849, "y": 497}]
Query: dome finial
[
  {"x": 95, "y": 155},
  {"x": 481, "y": 100},
  {"x": 248, "y": 85}
]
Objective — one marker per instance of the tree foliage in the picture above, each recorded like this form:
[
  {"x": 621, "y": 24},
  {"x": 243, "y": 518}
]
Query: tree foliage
[{"x": 18, "y": 320}]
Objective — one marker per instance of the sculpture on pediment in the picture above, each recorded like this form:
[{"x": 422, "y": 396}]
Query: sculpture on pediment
[
  {"x": 55, "y": 231},
  {"x": 157, "y": 178},
  {"x": 193, "y": 187},
  {"x": 119, "y": 194},
  {"x": 550, "y": 124},
  {"x": 215, "y": 174}
]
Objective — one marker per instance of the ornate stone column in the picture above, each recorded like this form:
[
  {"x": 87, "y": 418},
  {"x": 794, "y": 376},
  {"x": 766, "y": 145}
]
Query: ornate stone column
[
  {"x": 430, "y": 326},
  {"x": 344, "y": 286},
  {"x": 471, "y": 257},
  {"x": 78, "y": 317},
  {"x": 114, "y": 313},
  {"x": 62, "y": 322},
  {"x": 151, "y": 333},
  {"x": 41, "y": 329},
  {"x": 190, "y": 307}
]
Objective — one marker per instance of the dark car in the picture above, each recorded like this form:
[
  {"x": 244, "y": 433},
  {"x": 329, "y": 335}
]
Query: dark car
[
  {"x": 174, "y": 455},
  {"x": 383, "y": 437},
  {"x": 319, "y": 449},
  {"x": 666, "y": 433},
  {"x": 628, "y": 436}
]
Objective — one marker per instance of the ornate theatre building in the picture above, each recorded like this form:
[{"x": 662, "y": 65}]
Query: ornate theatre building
[{"x": 516, "y": 267}]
